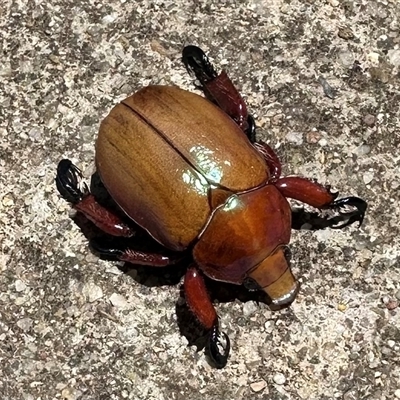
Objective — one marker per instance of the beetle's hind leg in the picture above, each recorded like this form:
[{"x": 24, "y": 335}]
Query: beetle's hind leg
[
  {"x": 219, "y": 89},
  {"x": 200, "y": 304},
  {"x": 68, "y": 182}
]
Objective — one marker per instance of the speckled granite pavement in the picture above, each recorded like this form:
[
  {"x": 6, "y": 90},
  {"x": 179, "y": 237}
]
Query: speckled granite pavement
[{"x": 75, "y": 327}]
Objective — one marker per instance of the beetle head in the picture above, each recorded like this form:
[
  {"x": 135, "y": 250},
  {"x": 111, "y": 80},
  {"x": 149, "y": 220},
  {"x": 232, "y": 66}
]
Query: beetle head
[{"x": 275, "y": 277}]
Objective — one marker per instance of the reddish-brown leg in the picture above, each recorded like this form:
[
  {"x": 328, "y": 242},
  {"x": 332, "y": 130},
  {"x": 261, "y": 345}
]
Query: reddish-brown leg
[
  {"x": 103, "y": 218},
  {"x": 200, "y": 304},
  {"x": 198, "y": 299},
  {"x": 306, "y": 191},
  {"x": 318, "y": 196},
  {"x": 218, "y": 88},
  {"x": 270, "y": 157},
  {"x": 68, "y": 182},
  {"x": 222, "y": 91},
  {"x": 124, "y": 252}
]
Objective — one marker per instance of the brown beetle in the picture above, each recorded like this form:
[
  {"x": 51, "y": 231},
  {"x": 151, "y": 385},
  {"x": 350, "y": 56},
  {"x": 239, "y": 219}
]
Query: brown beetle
[{"x": 190, "y": 172}]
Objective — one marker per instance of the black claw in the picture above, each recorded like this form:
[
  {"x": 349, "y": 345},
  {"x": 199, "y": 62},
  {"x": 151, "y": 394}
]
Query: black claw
[
  {"x": 251, "y": 130},
  {"x": 67, "y": 181},
  {"x": 314, "y": 221},
  {"x": 302, "y": 219},
  {"x": 349, "y": 217},
  {"x": 107, "y": 248},
  {"x": 197, "y": 63},
  {"x": 218, "y": 350}
]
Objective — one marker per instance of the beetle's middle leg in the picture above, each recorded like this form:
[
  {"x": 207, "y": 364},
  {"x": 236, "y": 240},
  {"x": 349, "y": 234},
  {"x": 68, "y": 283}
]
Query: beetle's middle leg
[
  {"x": 219, "y": 89},
  {"x": 200, "y": 304},
  {"x": 318, "y": 196},
  {"x": 124, "y": 252}
]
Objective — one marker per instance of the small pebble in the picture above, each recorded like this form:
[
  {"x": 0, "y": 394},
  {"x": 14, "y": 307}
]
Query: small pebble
[
  {"x": 362, "y": 150},
  {"x": 394, "y": 57},
  {"x": 8, "y": 200},
  {"x": 25, "y": 324},
  {"x": 346, "y": 58},
  {"x": 279, "y": 378},
  {"x": 373, "y": 57},
  {"x": 54, "y": 59},
  {"x": 20, "y": 300},
  {"x": 367, "y": 177},
  {"x": 329, "y": 91},
  {"x": 108, "y": 19},
  {"x": 379, "y": 74},
  {"x": 249, "y": 308},
  {"x": 118, "y": 301},
  {"x": 295, "y": 137},
  {"x": 35, "y": 133},
  {"x": 258, "y": 386},
  {"x": 392, "y": 304},
  {"x": 4, "y": 258},
  {"x": 92, "y": 292},
  {"x": 397, "y": 393},
  {"x": 313, "y": 137},
  {"x": 369, "y": 120},
  {"x": 19, "y": 285},
  {"x": 340, "y": 328},
  {"x": 323, "y": 142},
  {"x": 269, "y": 326},
  {"x": 5, "y": 70},
  {"x": 68, "y": 394}
]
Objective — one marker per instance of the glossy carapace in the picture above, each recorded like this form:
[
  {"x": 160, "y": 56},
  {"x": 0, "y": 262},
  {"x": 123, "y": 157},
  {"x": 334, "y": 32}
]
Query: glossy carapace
[{"x": 190, "y": 171}]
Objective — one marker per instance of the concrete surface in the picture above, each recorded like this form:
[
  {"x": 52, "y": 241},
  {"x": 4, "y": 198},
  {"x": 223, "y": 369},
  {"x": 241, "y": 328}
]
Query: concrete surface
[{"x": 75, "y": 327}]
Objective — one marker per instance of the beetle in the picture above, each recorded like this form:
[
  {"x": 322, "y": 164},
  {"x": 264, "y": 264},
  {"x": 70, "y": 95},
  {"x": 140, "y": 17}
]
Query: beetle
[{"x": 190, "y": 171}]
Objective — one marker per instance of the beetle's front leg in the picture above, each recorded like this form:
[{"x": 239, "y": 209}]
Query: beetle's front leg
[
  {"x": 68, "y": 181},
  {"x": 200, "y": 304},
  {"x": 219, "y": 88},
  {"x": 318, "y": 196}
]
